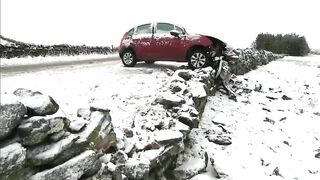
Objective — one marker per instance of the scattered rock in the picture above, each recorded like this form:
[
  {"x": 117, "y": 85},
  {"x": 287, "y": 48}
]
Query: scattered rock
[
  {"x": 176, "y": 88},
  {"x": 75, "y": 168},
  {"x": 218, "y": 172},
  {"x": 184, "y": 74},
  {"x": 282, "y": 119},
  {"x": 37, "y": 103},
  {"x": 169, "y": 100},
  {"x": 272, "y": 98},
  {"x": 286, "y": 143},
  {"x": 276, "y": 172},
  {"x": 258, "y": 88},
  {"x": 12, "y": 157},
  {"x": 35, "y": 129},
  {"x": 313, "y": 171},
  {"x": 220, "y": 139},
  {"x": 153, "y": 145},
  {"x": 269, "y": 120},
  {"x": 265, "y": 109},
  {"x": 190, "y": 168},
  {"x": 285, "y": 97},
  {"x": 317, "y": 155},
  {"x": 317, "y": 113},
  {"x": 128, "y": 133},
  {"x": 11, "y": 113}
]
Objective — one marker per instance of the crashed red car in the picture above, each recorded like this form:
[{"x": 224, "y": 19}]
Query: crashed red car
[{"x": 168, "y": 42}]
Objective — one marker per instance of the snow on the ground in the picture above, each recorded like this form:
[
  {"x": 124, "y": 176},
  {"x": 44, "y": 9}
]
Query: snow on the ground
[
  {"x": 109, "y": 84},
  {"x": 50, "y": 59},
  {"x": 285, "y": 146}
]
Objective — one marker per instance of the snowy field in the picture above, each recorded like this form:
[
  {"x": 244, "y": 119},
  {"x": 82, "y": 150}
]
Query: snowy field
[{"x": 272, "y": 138}]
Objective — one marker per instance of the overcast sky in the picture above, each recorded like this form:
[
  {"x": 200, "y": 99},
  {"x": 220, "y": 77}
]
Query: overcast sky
[{"x": 103, "y": 22}]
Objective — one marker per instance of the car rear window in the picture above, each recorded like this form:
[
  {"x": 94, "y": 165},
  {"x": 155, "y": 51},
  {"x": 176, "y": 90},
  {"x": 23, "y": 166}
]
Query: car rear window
[
  {"x": 144, "y": 29},
  {"x": 164, "y": 28}
]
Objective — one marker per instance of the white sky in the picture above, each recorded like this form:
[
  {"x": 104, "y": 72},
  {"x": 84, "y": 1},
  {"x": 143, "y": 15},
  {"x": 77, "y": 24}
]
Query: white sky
[{"x": 103, "y": 22}]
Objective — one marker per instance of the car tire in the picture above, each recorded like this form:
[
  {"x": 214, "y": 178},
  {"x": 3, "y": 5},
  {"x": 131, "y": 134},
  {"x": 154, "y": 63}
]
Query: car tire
[
  {"x": 129, "y": 58},
  {"x": 149, "y": 62},
  {"x": 198, "y": 58}
]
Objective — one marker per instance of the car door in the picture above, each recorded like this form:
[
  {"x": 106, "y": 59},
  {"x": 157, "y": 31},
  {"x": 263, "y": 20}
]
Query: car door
[
  {"x": 166, "y": 46},
  {"x": 141, "y": 41}
]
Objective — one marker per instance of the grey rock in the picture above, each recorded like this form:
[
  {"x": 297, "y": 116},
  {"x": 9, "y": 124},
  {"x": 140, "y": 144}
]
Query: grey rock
[
  {"x": 57, "y": 136},
  {"x": 37, "y": 128},
  {"x": 84, "y": 113},
  {"x": 199, "y": 95},
  {"x": 218, "y": 172},
  {"x": 158, "y": 157},
  {"x": 269, "y": 120},
  {"x": 11, "y": 113},
  {"x": 184, "y": 74},
  {"x": 83, "y": 164},
  {"x": 190, "y": 168},
  {"x": 220, "y": 139},
  {"x": 120, "y": 157},
  {"x": 12, "y": 157},
  {"x": 54, "y": 153},
  {"x": 182, "y": 127},
  {"x": 136, "y": 168},
  {"x": 99, "y": 106},
  {"x": 99, "y": 131},
  {"x": 168, "y": 137},
  {"x": 37, "y": 103},
  {"x": 317, "y": 155},
  {"x": 77, "y": 125},
  {"x": 186, "y": 119},
  {"x": 285, "y": 97},
  {"x": 169, "y": 100}
]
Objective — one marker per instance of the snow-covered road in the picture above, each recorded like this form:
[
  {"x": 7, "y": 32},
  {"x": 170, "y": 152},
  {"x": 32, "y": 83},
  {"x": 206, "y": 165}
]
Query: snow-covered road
[{"x": 10, "y": 67}]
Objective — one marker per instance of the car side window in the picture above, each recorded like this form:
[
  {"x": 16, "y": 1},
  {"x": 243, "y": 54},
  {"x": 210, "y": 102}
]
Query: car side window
[
  {"x": 164, "y": 28},
  {"x": 144, "y": 29},
  {"x": 130, "y": 32},
  {"x": 180, "y": 30}
]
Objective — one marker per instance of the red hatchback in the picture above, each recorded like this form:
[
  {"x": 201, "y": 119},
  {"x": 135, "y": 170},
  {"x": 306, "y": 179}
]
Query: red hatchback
[{"x": 168, "y": 42}]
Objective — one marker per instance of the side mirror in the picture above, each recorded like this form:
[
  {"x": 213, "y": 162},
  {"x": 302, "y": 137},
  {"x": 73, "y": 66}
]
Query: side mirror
[{"x": 174, "y": 33}]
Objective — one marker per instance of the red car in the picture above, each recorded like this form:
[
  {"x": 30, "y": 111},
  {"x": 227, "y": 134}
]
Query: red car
[{"x": 168, "y": 42}]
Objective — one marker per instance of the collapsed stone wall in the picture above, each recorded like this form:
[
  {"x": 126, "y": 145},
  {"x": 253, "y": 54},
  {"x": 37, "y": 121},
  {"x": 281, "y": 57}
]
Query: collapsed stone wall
[{"x": 36, "y": 143}]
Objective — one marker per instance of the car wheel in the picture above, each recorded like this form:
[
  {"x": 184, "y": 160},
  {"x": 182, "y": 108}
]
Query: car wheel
[
  {"x": 129, "y": 58},
  {"x": 149, "y": 62},
  {"x": 198, "y": 59}
]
